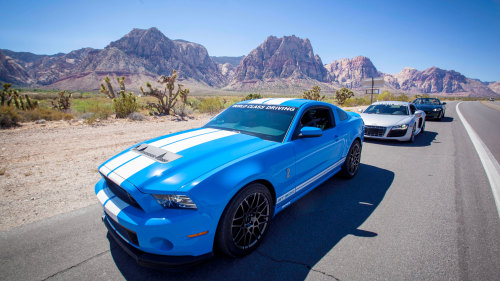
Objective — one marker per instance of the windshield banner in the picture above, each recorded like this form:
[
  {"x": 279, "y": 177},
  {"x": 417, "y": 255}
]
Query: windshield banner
[{"x": 266, "y": 107}]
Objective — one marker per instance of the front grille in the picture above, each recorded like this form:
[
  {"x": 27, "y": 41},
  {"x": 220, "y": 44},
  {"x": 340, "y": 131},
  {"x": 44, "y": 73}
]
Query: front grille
[
  {"x": 396, "y": 133},
  {"x": 121, "y": 193},
  {"x": 374, "y": 131},
  {"x": 127, "y": 234}
]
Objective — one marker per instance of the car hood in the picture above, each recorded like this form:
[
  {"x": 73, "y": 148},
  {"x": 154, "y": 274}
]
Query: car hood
[
  {"x": 384, "y": 120},
  {"x": 192, "y": 154}
]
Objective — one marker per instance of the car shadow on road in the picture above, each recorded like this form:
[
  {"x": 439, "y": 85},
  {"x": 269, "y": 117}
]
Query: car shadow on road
[
  {"x": 424, "y": 139},
  {"x": 445, "y": 119},
  {"x": 299, "y": 237}
]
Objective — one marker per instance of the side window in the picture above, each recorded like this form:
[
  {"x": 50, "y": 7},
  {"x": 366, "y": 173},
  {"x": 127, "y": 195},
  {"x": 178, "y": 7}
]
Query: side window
[
  {"x": 342, "y": 115},
  {"x": 317, "y": 117},
  {"x": 412, "y": 109}
]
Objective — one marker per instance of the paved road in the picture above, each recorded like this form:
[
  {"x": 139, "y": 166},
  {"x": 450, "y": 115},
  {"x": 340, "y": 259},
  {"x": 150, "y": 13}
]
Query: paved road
[{"x": 421, "y": 211}]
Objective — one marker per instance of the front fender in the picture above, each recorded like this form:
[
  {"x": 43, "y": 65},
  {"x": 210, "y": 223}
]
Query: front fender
[{"x": 213, "y": 191}]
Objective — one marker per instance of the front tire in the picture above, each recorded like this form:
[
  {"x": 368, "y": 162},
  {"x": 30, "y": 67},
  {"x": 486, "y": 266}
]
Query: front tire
[
  {"x": 351, "y": 164},
  {"x": 245, "y": 221},
  {"x": 412, "y": 138}
]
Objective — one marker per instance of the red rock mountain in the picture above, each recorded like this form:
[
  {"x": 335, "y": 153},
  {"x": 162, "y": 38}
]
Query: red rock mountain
[
  {"x": 281, "y": 58},
  {"x": 350, "y": 72}
]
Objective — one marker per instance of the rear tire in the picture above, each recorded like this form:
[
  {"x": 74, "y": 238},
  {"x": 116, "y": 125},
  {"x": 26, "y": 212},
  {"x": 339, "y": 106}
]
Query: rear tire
[
  {"x": 245, "y": 221},
  {"x": 351, "y": 164}
]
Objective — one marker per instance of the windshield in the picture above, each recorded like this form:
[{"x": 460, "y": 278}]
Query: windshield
[
  {"x": 269, "y": 122},
  {"x": 389, "y": 109},
  {"x": 427, "y": 101}
]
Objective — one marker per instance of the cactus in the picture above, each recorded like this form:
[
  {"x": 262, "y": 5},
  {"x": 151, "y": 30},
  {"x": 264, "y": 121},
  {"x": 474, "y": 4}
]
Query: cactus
[
  {"x": 123, "y": 103},
  {"x": 9, "y": 95},
  {"x": 63, "y": 102},
  {"x": 167, "y": 99}
]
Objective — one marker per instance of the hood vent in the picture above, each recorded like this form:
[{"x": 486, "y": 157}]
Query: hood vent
[{"x": 156, "y": 153}]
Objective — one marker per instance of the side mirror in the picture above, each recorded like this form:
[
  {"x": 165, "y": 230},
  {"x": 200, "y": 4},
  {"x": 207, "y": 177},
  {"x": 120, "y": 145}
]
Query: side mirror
[
  {"x": 443, "y": 103},
  {"x": 360, "y": 110},
  {"x": 310, "y": 132}
]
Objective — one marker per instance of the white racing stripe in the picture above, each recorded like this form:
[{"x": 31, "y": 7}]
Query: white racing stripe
[
  {"x": 113, "y": 164},
  {"x": 308, "y": 182},
  {"x": 183, "y": 145},
  {"x": 490, "y": 164},
  {"x": 132, "y": 167},
  {"x": 258, "y": 101},
  {"x": 104, "y": 170},
  {"x": 136, "y": 165},
  {"x": 104, "y": 195},
  {"x": 176, "y": 138},
  {"x": 277, "y": 101},
  {"x": 124, "y": 158},
  {"x": 114, "y": 207}
]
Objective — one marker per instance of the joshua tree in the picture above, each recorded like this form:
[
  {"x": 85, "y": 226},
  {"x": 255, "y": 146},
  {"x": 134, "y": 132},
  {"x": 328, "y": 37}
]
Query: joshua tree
[
  {"x": 313, "y": 94},
  {"x": 343, "y": 94},
  {"x": 168, "y": 97}
]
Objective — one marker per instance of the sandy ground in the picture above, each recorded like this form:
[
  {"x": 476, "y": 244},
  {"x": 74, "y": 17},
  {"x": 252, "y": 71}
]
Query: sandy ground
[{"x": 48, "y": 169}]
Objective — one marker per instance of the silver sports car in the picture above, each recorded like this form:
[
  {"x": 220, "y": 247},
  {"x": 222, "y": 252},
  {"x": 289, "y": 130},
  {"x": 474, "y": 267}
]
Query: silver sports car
[{"x": 393, "y": 120}]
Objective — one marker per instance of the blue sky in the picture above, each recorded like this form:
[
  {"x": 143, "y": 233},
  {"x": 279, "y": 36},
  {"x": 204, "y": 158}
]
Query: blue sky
[{"x": 459, "y": 35}]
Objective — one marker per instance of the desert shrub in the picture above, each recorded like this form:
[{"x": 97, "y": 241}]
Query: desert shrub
[
  {"x": 136, "y": 116},
  {"x": 124, "y": 105},
  {"x": 10, "y": 97},
  {"x": 211, "y": 105},
  {"x": 48, "y": 114},
  {"x": 194, "y": 103},
  {"x": 252, "y": 97},
  {"x": 183, "y": 110},
  {"x": 357, "y": 101},
  {"x": 313, "y": 94},
  {"x": 8, "y": 117},
  {"x": 101, "y": 107}
]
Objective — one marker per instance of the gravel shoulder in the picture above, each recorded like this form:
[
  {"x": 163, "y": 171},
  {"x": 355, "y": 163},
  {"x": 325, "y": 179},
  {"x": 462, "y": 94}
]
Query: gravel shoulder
[{"x": 51, "y": 168}]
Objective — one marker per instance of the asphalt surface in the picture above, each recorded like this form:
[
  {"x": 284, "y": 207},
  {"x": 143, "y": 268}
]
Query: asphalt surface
[{"x": 421, "y": 211}]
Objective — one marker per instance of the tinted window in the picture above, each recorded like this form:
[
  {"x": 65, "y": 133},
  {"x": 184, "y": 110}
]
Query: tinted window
[
  {"x": 389, "y": 109},
  {"x": 269, "y": 122},
  {"x": 317, "y": 117},
  {"x": 342, "y": 115}
]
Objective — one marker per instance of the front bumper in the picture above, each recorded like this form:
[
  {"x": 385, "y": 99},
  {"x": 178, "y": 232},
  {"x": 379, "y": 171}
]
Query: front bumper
[
  {"x": 432, "y": 114},
  {"x": 387, "y": 133},
  {"x": 153, "y": 260},
  {"x": 157, "y": 233}
]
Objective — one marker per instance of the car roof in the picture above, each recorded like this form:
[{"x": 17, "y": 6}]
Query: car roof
[
  {"x": 392, "y": 102},
  {"x": 278, "y": 101}
]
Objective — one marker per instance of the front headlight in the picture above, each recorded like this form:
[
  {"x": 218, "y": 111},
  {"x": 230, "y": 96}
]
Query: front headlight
[
  {"x": 401, "y": 127},
  {"x": 436, "y": 109},
  {"x": 175, "y": 201}
]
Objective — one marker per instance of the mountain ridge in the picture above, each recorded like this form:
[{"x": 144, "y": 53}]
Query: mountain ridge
[{"x": 276, "y": 65}]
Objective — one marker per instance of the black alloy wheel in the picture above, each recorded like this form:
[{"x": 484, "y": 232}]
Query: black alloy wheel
[
  {"x": 245, "y": 221},
  {"x": 351, "y": 164}
]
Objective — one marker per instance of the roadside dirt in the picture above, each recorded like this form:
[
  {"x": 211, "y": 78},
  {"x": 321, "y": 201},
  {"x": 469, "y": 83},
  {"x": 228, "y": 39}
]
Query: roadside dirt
[{"x": 51, "y": 168}]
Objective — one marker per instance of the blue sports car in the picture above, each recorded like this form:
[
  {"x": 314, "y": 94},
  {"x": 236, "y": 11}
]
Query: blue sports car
[{"x": 170, "y": 201}]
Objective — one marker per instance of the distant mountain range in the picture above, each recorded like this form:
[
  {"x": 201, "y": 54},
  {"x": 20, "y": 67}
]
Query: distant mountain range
[{"x": 278, "y": 65}]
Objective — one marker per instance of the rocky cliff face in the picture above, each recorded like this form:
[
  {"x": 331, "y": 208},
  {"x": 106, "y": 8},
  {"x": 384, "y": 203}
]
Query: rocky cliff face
[
  {"x": 12, "y": 72},
  {"x": 140, "y": 53},
  {"x": 281, "y": 58},
  {"x": 350, "y": 72}
]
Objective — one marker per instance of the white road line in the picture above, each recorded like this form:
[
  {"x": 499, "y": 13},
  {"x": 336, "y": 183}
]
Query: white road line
[{"x": 490, "y": 164}]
